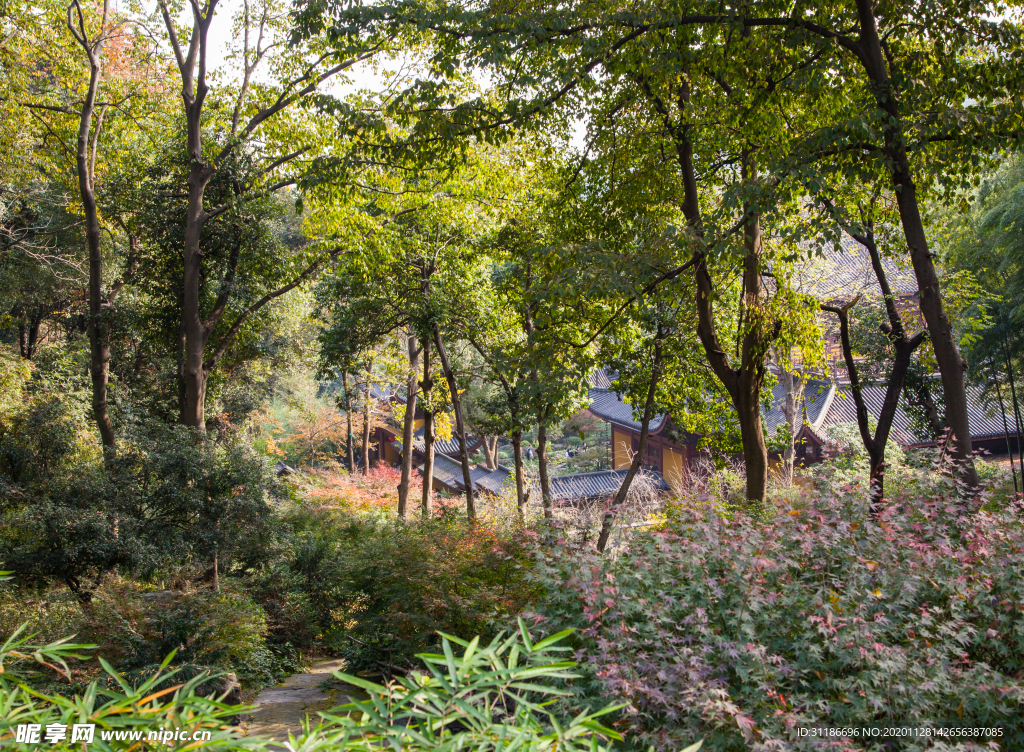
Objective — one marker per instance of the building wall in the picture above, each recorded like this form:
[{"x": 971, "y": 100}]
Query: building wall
[
  {"x": 672, "y": 466},
  {"x": 622, "y": 446}
]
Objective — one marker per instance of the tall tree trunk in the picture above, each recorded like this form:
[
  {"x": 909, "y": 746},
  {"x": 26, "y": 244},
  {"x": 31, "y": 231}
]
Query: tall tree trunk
[
  {"x": 743, "y": 384},
  {"x": 428, "y": 433},
  {"x": 755, "y": 450},
  {"x": 491, "y": 452},
  {"x": 348, "y": 420},
  {"x": 85, "y": 162},
  {"x": 367, "y": 405},
  {"x": 794, "y": 388},
  {"x": 904, "y": 349},
  {"x": 542, "y": 465},
  {"x": 940, "y": 331},
  {"x": 634, "y": 467},
  {"x": 517, "y": 453},
  {"x": 1016, "y": 405},
  {"x": 460, "y": 424},
  {"x": 22, "y": 341},
  {"x": 411, "y": 392},
  {"x": 34, "y": 322},
  {"x": 1006, "y": 427}
]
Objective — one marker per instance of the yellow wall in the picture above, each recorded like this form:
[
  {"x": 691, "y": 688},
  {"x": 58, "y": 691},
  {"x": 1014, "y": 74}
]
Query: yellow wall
[
  {"x": 672, "y": 467},
  {"x": 621, "y": 446},
  {"x": 417, "y": 424}
]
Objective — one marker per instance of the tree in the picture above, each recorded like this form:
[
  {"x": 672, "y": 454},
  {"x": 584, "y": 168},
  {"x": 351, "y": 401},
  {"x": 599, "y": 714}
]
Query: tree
[
  {"x": 981, "y": 233},
  {"x": 304, "y": 69},
  {"x": 108, "y": 116},
  {"x": 867, "y": 96},
  {"x": 899, "y": 342}
]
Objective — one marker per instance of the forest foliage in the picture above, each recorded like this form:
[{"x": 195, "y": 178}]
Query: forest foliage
[{"x": 258, "y": 259}]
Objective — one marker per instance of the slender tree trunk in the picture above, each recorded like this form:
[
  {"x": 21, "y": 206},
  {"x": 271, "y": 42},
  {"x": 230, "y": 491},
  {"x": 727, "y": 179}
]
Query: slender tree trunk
[
  {"x": 940, "y": 331},
  {"x": 193, "y": 374},
  {"x": 491, "y": 452},
  {"x": 460, "y": 424},
  {"x": 34, "y": 323},
  {"x": 904, "y": 348},
  {"x": 1006, "y": 427},
  {"x": 755, "y": 345},
  {"x": 85, "y": 163},
  {"x": 348, "y": 421},
  {"x": 428, "y": 433},
  {"x": 875, "y": 444},
  {"x": 411, "y": 391},
  {"x": 1016, "y": 406},
  {"x": 634, "y": 467},
  {"x": 542, "y": 462},
  {"x": 517, "y": 453},
  {"x": 22, "y": 341},
  {"x": 743, "y": 384},
  {"x": 794, "y": 391},
  {"x": 366, "y": 420}
]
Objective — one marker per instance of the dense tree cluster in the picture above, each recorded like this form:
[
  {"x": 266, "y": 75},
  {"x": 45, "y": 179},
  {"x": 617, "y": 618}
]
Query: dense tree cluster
[{"x": 191, "y": 232}]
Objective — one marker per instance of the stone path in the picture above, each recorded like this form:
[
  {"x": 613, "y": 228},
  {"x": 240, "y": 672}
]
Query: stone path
[{"x": 282, "y": 709}]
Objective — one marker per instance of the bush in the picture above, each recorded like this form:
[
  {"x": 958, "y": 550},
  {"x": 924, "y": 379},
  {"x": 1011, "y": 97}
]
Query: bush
[
  {"x": 822, "y": 616},
  {"x": 492, "y": 697},
  {"x": 223, "y": 630},
  {"x": 169, "y": 496},
  {"x": 380, "y": 589},
  {"x": 118, "y": 708}
]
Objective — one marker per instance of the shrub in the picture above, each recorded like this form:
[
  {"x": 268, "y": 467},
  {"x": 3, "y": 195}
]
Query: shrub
[
  {"x": 378, "y": 589},
  {"x": 494, "y": 696},
  {"x": 169, "y": 496},
  {"x": 822, "y": 616},
  {"x": 410, "y": 582},
  {"x": 223, "y": 630},
  {"x": 118, "y": 708}
]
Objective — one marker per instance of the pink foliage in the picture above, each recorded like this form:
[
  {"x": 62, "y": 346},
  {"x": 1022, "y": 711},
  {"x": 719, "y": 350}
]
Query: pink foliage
[{"x": 743, "y": 632}]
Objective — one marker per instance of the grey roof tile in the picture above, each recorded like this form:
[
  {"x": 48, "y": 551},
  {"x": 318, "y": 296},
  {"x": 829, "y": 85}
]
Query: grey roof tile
[
  {"x": 602, "y": 483},
  {"x": 443, "y": 446},
  {"x": 832, "y": 275},
  {"x": 447, "y": 473},
  {"x": 606, "y": 404},
  {"x": 600, "y": 379},
  {"x": 817, "y": 397},
  {"x": 494, "y": 481},
  {"x": 984, "y": 417}
]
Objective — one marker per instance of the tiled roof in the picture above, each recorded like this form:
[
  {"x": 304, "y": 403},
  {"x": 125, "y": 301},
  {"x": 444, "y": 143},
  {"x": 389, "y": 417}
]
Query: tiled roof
[
  {"x": 833, "y": 275},
  {"x": 984, "y": 418},
  {"x": 448, "y": 475},
  {"x": 493, "y": 481},
  {"x": 443, "y": 446},
  {"x": 605, "y": 404},
  {"x": 382, "y": 392},
  {"x": 601, "y": 379},
  {"x": 602, "y": 483},
  {"x": 825, "y": 405},
  {"x": 818, "y": 396}
]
